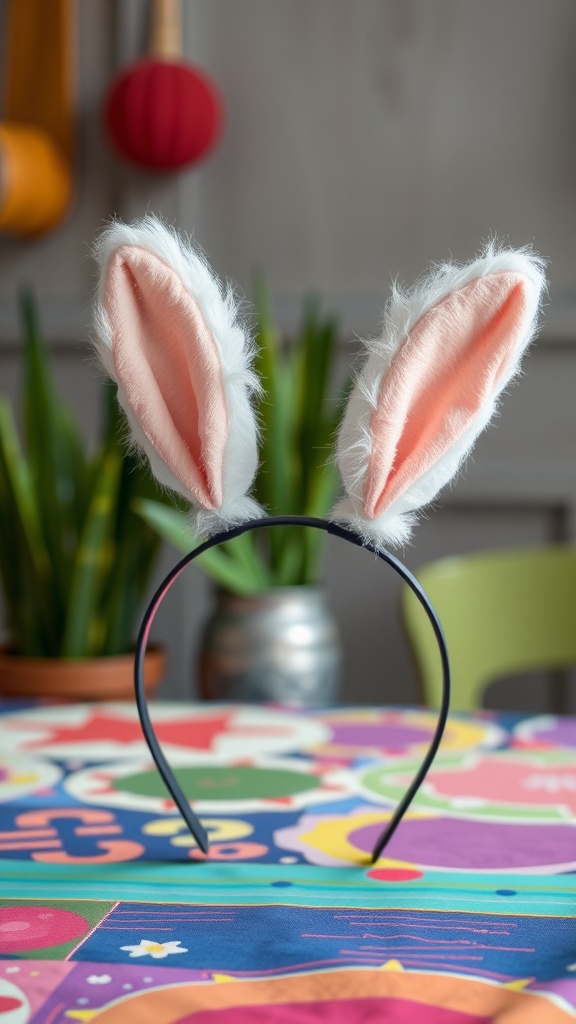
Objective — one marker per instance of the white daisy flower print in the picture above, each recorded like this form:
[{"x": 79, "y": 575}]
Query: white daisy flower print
[{"x": 157, "y": 950}]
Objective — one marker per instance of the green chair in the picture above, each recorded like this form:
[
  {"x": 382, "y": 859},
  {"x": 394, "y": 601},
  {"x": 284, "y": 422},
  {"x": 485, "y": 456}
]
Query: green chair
[{"x": 503, "y": 613}]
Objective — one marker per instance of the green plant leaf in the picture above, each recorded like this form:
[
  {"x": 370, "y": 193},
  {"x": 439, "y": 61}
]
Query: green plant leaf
[
  {"x": 223, "y": 567},
  {"x": 10, "y": 561},
  {"x": 136, "y": 544},
  {"x": 133, "y": 565},
  {"x": 77, "y": 466},
  {"x": 277, "y": 477},
  {"x": 245, "y": 551},
  {"x": 316, "y": 344},
  {"x": 25, "y": 562},
  {"x": 273, "y": 479},
  {"x": 58, "y": 468},
  {"x": 83, "y": 632},
  {"x": 13, "y": 569}
]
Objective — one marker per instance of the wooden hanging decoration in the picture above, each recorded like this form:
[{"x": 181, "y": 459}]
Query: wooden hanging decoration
[{"x": 162, "y": 113}]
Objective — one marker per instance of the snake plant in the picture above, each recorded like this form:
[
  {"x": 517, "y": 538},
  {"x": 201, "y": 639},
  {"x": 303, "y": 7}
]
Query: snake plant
[
  {"x": 75, "y": 558},
  {"x": 298, "y": 422}
]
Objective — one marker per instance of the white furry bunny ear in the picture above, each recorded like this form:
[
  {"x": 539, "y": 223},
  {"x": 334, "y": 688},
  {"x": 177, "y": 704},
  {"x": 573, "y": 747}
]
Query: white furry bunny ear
[
  {"x": 430, "y": 386},
  {"x": 168, "y": 335}
]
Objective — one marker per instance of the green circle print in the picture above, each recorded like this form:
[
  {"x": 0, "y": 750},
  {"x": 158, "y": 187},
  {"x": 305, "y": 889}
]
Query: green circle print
[{"x": 222, "y": 782}]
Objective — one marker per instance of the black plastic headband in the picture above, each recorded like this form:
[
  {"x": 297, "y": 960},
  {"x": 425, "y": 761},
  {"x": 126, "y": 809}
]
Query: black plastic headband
[{"x": 174, "y": 789}]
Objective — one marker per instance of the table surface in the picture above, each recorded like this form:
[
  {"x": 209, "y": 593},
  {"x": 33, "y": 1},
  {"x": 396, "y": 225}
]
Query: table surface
[{"x": 109, "y": 913}]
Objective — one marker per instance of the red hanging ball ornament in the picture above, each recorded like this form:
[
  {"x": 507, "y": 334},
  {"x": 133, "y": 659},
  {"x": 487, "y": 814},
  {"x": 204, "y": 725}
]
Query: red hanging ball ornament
[{"x": 162, "y": 113}]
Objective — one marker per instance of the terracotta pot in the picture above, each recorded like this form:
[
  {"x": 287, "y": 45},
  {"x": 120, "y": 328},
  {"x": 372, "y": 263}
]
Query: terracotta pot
[{"x": 81, "y": 679}]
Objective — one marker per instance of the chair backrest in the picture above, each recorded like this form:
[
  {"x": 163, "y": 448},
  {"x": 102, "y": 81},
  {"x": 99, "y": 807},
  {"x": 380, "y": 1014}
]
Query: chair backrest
[{"x": 503, "y": 613}]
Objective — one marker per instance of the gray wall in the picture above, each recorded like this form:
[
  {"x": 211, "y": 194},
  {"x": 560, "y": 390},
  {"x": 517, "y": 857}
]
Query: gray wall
[{"x": 363, "y": 140}]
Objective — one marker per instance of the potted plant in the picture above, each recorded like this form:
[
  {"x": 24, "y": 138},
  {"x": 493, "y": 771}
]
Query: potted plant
[
  {"x": 271, "y": 636},
  {"x": 75, "y": 559}
]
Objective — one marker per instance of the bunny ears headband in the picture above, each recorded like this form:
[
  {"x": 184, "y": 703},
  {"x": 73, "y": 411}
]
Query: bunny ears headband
[{"x": 168, "y": 334}]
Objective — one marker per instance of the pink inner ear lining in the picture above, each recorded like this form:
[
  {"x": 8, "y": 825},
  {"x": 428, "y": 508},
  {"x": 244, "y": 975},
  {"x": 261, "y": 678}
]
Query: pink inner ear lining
[
  {"x": 168, "y": 365},
  {"x": 433, "y": 392}
]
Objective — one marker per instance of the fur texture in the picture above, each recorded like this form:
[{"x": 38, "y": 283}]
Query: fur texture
[
  {"x": 404, "y": 310},
  {"x": 236, "y": 351}
]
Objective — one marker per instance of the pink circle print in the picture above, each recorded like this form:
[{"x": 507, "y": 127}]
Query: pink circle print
[
  {"x": 24, "y": 928},
  {"x": 335, "y": 1011}
]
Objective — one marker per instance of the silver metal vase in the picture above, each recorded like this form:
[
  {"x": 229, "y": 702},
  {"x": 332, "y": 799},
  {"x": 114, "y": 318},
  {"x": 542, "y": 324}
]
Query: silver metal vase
[{"x": 280, "y": 645}]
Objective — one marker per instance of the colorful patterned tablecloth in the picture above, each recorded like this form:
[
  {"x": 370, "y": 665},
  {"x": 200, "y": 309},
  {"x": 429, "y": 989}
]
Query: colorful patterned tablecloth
[{"x": 109, "y": 913}]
